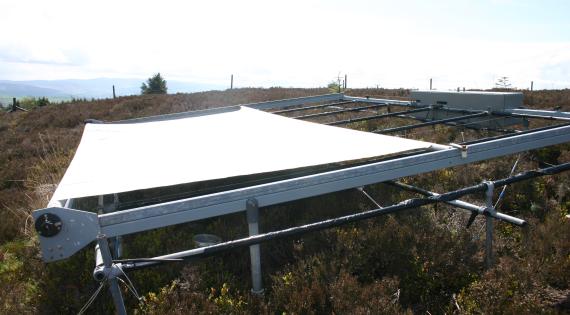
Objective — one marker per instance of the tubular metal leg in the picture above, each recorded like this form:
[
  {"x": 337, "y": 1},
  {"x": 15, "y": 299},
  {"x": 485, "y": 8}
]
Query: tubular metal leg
[
  {"x": 105, "y": 253},
  {"x": 254, "y": 251},
  {"x": 489, "y": 226}
]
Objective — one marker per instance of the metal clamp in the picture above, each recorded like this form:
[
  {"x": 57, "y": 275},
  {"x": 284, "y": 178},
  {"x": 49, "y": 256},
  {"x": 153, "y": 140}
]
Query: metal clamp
[{"x": 461, "y": 147}]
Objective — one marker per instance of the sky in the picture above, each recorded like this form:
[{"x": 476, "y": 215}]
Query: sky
[{"x": 291, "y": 43}]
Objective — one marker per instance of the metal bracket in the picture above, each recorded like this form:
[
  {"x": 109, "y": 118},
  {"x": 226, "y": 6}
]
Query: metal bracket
[
  {"x": 252, "y": 213},
  {"x": 461, "y": 147},
  {"x": 78, "y": 228}
]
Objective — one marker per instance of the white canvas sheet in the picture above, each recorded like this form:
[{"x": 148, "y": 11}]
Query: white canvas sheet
[{"x": 113, "y": 158}]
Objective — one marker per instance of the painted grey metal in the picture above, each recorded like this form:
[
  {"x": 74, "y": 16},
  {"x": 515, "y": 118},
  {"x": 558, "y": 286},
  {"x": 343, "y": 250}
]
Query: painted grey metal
[
  {"x": 335, "y": 222},
  {"x": 99, "y": 270},
  {"x": 494, "y": 102},
  {"x": 489, "y": 101},
  {"x": 489, "y": 225},
  {"x": 252, "y": 213},
  {"x": 463, "y": 205},
  {"x": 431, "y": 122},
  {"x": 113, "y": 282},
  {"x": 304, "y": 108},
  {"x": 401, "y": 114},
  {"x": 376, "y": 100},
  {"x": 78, "y": 230},
  {"x": 497, "y": 121},
  {"x": 339, "y": 111},
  {"x": 539, "y": 113}
]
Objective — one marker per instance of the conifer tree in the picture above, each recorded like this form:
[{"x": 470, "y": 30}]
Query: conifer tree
[{"x": 154, "y": 85}]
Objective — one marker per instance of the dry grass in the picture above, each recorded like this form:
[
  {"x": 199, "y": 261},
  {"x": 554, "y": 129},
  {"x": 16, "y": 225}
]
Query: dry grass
[{"x": 357, "y": 269}]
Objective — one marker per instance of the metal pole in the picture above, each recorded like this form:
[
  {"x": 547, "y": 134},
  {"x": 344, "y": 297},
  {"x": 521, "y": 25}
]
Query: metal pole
[
  {"x": 254, "y": 251},
  {"x": 405, "y": 112},
  {"x": 318, "y": 226},
  {"x": 232, "y": 82},
  {"x": 354, "y": 109},
  {"x": 282, "y": 111},
  {"x": 345, "y": 85},
  {"x": 460, "y": 204},
  {"x": 430, "y": 84},
  {"x": 429, "y": 123},
  {"x": 114, "y": 96},
  {"x": 113, "y": 282},
  {"x": 489, "y": 225}
]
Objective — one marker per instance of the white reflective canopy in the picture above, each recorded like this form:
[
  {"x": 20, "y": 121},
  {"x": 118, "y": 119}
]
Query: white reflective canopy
[{"x": 171, "y": 150}]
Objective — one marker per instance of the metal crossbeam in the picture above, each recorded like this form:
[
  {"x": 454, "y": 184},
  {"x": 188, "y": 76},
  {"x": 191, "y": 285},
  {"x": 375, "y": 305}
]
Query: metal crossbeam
[
  {"x": 533, "y": 113},
  {"x": 376, "y": 100},
  {"x": 83, "y": 227},
  {"x": 317, "y": 226},
  {"x": 296, "y": 101},
  {"x": 460, "y": 204},
  {"x": 430, "y": 123},
  {"x": 283, "y": 111},
  {"x": 380, "y": 116},
  {"x": 517, "y": 133},
  {"x": 345, "y": 110}
]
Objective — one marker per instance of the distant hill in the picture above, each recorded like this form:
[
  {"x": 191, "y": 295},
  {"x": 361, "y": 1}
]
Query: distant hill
[
  {"x": 14, "y": 89},
  {"x": 90, "y": 88}
]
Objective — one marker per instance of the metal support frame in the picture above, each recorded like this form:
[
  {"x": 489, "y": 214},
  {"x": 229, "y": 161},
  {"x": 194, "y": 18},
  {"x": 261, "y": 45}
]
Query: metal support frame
[
  {"x": 105, "y": 256},
  {"x": 489, "y": 224},
  {"x": 129, "y": 264},
  {"x": 401, "y": 114},
  {"x": 201, "y": 207},
  {"x": 376, "y": 100},
  {"x": 336, "y": 97},
  {"x": 533, "y": 113},
  {"x": 81, "y": 227},
  {"x": 528, "y": 131},
  {"x": 298, "y": 109},
  {"x": 339, "y": 111},
  {"x": 429, "y": 123},
  {"x": 254, "y": 250},
  {"x": 475, "y": 209},
  {"x": 515, "y": 112}
]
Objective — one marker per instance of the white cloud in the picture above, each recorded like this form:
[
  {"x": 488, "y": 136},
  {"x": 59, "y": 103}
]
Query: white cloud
[{"x": 263, "y": 43}]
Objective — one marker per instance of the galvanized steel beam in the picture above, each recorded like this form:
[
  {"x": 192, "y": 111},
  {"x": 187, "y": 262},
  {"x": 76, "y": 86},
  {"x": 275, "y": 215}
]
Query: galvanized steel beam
[
  {"x": 345, "y": 110},
  {"x": 430, "y": 123},
  {"x": 298, "y": 109},
  {"x": 380, "y": 116}
]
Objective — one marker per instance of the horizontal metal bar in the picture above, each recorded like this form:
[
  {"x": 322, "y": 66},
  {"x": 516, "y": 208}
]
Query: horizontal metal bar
[
  {"x": 471, "y": 125},
  {"x": 377, "y": 100},
  {"x": 297, "y": 109},
  {"x": 379, "y": 116},
  {"x": 461, "y": 204},
  {"x": 429, "y": 123},
  {"x": 317, "y": 226},
  {"x": 515, "y": 113},
  {"x": 175, "y": 212},
  {"x": 296, "y": 101},
  {"x": 345, "y": 110},
  {"x": 517, "y": 133},
  {"x": 548, "y": 114}
]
